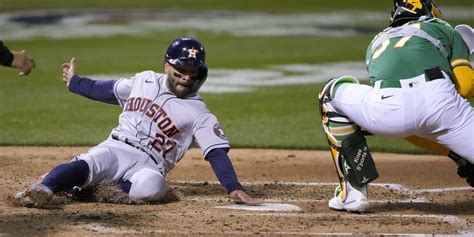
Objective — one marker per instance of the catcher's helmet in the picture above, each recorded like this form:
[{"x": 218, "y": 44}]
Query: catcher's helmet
[
  {"x": 187, "y": 52},
  {"x": 409, "y": 10}
]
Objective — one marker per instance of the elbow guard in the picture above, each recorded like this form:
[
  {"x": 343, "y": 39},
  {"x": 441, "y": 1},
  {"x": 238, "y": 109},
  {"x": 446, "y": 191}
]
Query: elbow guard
[{"x": 464, "y": 79}]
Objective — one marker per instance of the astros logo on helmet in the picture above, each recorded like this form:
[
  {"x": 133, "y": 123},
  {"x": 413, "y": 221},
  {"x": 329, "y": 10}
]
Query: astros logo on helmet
[{"x": 192, "y": 52}]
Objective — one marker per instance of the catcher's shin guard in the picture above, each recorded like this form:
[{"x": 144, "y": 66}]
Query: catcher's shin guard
[
  {"x": 348, "y": 147},
  {"x": 330, "y": 117}
]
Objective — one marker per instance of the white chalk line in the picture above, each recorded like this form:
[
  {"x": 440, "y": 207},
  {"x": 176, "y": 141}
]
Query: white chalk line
[
  {"x": 414, "y": 194},
  {"x": 451, "y": 219},
  {"x": 306, "y": 200},
  {"x": 98, "y": 228},
  {"x": 460, "y": 224},
  {"x": 390, "y": 186}
]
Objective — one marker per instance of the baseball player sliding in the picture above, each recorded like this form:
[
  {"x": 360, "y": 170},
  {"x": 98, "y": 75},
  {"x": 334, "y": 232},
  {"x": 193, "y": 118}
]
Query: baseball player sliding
[
  {"x": 163, "y": 116},
  {"x": 412, "y": 65}
]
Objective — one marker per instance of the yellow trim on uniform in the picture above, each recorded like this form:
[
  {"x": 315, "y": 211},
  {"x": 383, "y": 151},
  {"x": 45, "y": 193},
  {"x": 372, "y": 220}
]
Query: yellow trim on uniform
[
  {"x": 460, "y": 62},
  {"x": 400, "y": 43},
  {"x": 344, "y": 130},
  {"x": 464, "y": 81},
  {"x": 324, "y": 110},
  {"x": 331, "y": 139},
  {"x": 335, "y": 158}
]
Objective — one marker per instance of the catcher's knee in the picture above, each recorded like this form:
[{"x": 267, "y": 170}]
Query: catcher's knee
[
  {"x": 147, "y": 185},
  {"x": 328, "y": 91},
  {"x": 336, "y": 125},
  {"x": 347, "y": 143}
]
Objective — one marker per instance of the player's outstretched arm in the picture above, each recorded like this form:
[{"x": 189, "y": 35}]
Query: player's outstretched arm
[
  {"x": 225, "y": 172},
  {"x": 100, "y": 90}
]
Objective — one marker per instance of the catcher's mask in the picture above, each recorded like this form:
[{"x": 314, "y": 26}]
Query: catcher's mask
[
  {"x": 409, "y": 10},
  {"x": 188, "y": 52}
]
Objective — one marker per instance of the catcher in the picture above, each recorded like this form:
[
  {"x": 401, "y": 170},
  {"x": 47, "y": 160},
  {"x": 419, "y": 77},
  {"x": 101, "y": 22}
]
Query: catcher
[{"x": 419, "y": 73}]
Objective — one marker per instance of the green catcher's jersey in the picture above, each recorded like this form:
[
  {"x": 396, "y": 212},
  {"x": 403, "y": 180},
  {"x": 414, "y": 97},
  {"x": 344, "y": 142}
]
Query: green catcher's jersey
[{"x": 409, "y": 56}]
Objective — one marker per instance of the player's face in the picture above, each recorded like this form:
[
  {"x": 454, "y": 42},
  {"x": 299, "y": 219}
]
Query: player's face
[{"x": 182, "y": 80}]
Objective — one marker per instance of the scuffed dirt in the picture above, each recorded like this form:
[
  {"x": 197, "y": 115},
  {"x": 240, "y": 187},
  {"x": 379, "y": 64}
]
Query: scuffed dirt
[{"x": 303, "y": 178}]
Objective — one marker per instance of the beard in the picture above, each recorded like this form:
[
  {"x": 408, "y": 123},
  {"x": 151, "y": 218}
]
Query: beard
[{"x": 181, "y": 89}]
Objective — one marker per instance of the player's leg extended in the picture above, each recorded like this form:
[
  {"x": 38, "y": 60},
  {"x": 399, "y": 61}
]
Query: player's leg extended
[
  {"x": 63, "y": 177},
  {"x": 349, "y": 151}
]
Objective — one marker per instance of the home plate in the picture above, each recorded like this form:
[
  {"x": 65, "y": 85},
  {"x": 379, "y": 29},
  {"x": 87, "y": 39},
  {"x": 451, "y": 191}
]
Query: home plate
[{"x": 264, "y": 207}]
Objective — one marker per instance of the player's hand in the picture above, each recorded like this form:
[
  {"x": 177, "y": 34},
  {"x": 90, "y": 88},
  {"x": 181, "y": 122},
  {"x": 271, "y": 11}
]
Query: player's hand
[
  {"x": 69, "y": 70},
  {"x": 23, "y": 62},
  {"x": 241, "y": 197}
]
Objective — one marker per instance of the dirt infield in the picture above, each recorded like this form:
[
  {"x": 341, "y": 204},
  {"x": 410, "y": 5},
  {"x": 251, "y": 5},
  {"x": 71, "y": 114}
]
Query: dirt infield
[{"x": 414, "y": 195}]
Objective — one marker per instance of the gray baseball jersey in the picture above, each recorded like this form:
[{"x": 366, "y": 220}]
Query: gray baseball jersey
[{"x": 163, "y": 125}]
